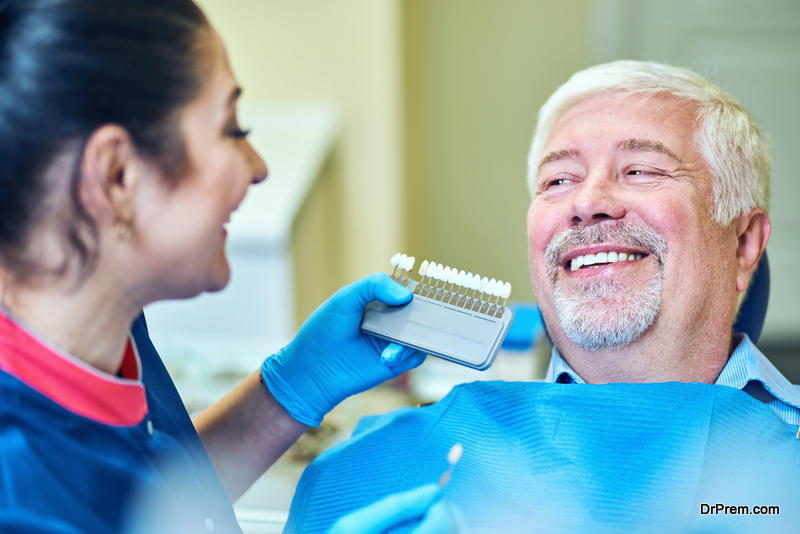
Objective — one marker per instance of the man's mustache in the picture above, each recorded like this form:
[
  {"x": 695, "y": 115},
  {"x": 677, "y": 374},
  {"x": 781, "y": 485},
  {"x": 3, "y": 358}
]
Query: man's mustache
[{"x": 640, "y": 235}]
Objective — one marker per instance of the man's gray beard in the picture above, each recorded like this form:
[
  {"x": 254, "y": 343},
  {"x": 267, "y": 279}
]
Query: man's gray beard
[{"x": 604, "y": 314}]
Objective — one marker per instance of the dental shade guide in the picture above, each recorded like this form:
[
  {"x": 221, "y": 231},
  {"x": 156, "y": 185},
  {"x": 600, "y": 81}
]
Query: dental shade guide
[{"x": 453, "y": 315}]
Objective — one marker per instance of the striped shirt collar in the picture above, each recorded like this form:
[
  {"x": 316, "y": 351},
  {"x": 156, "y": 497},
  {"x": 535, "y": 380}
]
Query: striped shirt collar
[{"x": 747, "y": 369}]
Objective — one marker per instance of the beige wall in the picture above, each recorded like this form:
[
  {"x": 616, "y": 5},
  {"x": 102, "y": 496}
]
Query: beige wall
[
  {"x": 346, "y": 52},
  {"x": 476, "y": 73}
]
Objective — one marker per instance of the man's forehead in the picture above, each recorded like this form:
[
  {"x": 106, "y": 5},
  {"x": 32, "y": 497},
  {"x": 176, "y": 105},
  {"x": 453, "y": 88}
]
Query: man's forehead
[
  {"x": 625, "y": 145},
  {"x": 629, "y": 110}
]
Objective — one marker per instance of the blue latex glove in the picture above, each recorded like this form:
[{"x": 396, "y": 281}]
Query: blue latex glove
[
  {"x": 330, "y": 359},
  {"x": 437, "y": 516}
]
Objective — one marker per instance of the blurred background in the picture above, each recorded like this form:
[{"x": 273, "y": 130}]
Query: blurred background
[{"x": 404, "y": 125}]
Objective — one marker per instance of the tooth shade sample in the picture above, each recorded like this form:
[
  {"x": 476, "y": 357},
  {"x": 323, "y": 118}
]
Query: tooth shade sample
[
  {"x": 483, "y": 284},
  {"x": 410, "y": 263},
  {"x": 507, "y": 290},
  {"x": 476, "y": 282},
  {"x": 445, "y": 274},
  {"x": 490, "y": 286},
  {"x": 452, "y": 278},
  {"x": 498, "y": 289},
  {"x": 423, "y": 268},
  {"x": 395, "y": 260}
]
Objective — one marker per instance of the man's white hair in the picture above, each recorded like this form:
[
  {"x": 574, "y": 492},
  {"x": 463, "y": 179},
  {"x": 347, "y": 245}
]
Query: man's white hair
[{"x": 726, "y": 137}]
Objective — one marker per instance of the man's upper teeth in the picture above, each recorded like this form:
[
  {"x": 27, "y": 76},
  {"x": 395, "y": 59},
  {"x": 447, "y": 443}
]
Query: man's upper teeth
[{"x": 603, "y": 257}]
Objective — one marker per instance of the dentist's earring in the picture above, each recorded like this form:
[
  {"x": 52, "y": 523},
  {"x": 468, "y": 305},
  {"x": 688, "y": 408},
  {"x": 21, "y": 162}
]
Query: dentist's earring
[{"x": 123, "y": 230}]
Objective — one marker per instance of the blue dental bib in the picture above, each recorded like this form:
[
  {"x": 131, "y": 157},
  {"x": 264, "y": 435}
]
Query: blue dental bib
[{"x": 542, "y": 457}]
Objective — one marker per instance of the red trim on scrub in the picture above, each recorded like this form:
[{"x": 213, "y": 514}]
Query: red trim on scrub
[{"x": 72, "y": 383}]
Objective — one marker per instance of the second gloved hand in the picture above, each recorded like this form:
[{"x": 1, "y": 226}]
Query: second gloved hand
[
  {"x": 435, "y": 516},
  {"x": 330, "y": 358}
]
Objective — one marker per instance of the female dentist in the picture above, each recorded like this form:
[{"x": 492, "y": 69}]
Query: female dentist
[{"x": 121, "y": 160}]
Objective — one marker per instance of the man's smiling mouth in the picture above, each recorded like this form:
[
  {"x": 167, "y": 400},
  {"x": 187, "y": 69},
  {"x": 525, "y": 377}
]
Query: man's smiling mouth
[{"x": 588, "y": 261}]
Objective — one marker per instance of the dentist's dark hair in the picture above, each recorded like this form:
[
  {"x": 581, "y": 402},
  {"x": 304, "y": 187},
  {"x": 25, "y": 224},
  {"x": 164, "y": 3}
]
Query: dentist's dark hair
[{"x": 68, "y": 67}]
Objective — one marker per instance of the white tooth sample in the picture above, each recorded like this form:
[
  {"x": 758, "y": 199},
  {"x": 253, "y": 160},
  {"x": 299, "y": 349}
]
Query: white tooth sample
[
  {"x": 445, "y": 274},
  {"x": 395, "y": 260},
  {"x": 507, "y": 290},
  {"x": 588, "y": 259},
  {"x": 483, "y": 284},
  {"x": 573, "y": 264},
  {"x": 498, "y": 289},
  {"x": 452, "y": 278},
  {"x": 403, "y": 260},
  {"x": 475, "y": 283},
  {"x": 601, "y": 257},
  {"x": 623, "y": 256},
  {"x": 462, "y": 278},
  {"x": 439, "y": 271},
  {"x": 423, "y": 268},
  {"x": 490, "y": 286},
  {"x": 613, "y": 257},
  {"x": 411, "y": 261},
  {"x": 432, "y": 269}
]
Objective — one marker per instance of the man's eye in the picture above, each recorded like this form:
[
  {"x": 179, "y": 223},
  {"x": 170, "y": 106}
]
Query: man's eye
[
  {"x": 644, "y": 172},
  {"x": 558, "y": 181}
]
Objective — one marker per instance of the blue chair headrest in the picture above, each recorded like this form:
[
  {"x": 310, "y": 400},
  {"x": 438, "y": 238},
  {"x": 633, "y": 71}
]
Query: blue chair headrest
[{"x": 754, "y": 308}]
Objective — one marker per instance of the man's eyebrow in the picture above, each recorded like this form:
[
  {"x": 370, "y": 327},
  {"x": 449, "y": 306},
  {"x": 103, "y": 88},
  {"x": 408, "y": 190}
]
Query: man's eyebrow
[
  {"x": 558, "y": 155},
  {"x": 647, "y": 145}
]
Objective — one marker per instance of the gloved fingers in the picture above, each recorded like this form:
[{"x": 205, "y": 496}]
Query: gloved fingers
[
  {"x": 400, "y": 359},
  {"x": 377, "y": 286},
  {"x": 388, "y": 512},
  {"x": 442, "y": 518}
]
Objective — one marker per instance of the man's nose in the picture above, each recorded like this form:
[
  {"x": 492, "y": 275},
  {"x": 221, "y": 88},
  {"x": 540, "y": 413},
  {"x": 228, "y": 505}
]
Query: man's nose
[{"x": 597, "y": 198}]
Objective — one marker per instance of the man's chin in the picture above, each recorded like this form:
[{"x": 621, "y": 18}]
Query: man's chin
[{"x": 607, "y": 319}]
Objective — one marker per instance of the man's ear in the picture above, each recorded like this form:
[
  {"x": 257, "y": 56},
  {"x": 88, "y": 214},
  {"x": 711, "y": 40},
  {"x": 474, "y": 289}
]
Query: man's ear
[
  {"x": 752, "y": 231},
  {"x": 109, "y": 176}
]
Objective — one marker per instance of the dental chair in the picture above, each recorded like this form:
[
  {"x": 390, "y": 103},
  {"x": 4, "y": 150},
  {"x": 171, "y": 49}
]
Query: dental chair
[{"x": 754, "y": 308}]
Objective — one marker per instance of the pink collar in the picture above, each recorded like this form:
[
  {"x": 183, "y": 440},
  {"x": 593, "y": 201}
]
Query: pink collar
[{"x": 71, "y": 382}]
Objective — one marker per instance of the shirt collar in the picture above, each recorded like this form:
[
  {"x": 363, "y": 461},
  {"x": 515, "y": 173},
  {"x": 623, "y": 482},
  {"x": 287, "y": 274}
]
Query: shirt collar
[
  {"x": 746, "y": 364},
  {"x": 71, "y": 382},
  {"x": 560, "y": 372}
]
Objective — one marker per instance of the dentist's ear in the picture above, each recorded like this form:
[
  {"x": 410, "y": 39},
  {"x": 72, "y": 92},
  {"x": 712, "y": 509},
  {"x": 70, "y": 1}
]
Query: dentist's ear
[
  {"x": 109, "y": 176},
  {"x": 752, "y": 231}
]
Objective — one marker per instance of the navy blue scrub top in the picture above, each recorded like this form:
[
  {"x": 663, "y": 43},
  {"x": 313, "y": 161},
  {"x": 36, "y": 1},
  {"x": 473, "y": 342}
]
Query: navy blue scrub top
[{"x": 62, "y": 470}]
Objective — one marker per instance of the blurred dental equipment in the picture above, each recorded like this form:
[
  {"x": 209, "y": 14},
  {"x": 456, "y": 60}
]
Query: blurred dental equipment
[
  {"x": 454, "y": 315},
  {"x": 452, "y": 458}
]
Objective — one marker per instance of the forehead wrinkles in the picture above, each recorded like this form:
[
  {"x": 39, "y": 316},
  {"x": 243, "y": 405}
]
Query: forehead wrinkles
[{"x": 640, "y": 235}]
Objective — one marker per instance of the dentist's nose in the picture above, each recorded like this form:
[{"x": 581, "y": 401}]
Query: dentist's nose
[
  {"x": 597, "y": 199},
  {"x": 257, "y": 165}
]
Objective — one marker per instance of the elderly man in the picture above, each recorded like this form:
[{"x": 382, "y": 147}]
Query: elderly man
[{"x": 650, "y": 190}]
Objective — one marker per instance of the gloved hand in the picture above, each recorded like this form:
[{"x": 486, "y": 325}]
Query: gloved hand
[
  {"x": 330, "y": 359},
  {"x": 438, "y": 517}
]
